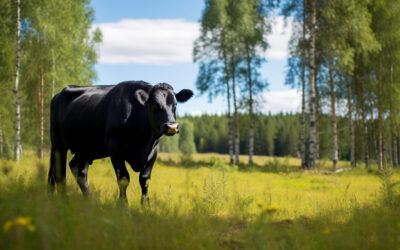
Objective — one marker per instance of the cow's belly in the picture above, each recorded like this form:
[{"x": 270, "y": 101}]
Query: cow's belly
[{"x": 85, "y": 142}]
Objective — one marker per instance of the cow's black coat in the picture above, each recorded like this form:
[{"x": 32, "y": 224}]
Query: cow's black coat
[{"x": 124, "y": 122}]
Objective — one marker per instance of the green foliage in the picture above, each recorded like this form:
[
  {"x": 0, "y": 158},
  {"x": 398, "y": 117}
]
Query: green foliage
[
  {"x": 169, "y": 144},
  {"x": 186, "y": 138},
  {"x": 57, "y": 48},
  {"x": 7, "y": 54}
]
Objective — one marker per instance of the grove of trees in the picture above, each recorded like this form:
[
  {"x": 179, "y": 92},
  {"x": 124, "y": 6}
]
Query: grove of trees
[
  {"x": 46, "y": 45},
  {"x": 343, "y": 56}
]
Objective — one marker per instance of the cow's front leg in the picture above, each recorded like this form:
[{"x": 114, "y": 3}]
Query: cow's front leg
[
  {"x": 144, "y": 178},
  {"x": 144, "y": 184},
  {"x": 122, "y": 176}
]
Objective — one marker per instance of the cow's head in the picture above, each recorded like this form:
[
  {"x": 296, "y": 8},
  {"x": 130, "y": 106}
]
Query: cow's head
[{"x": 161, "y": 106}]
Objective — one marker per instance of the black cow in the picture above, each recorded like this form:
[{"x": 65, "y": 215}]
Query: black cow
[{"x": 124, "y": 122}]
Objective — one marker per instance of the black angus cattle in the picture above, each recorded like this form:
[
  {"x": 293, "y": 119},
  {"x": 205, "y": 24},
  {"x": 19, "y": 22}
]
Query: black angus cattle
[{"x": 124, "y": 122}]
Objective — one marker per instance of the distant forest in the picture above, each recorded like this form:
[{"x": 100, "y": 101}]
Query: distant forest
[{"x": 275, "y": 135}]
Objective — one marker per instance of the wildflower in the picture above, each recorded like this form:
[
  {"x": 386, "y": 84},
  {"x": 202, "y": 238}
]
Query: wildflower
[
  {"x": 271, "y": 209},
  {"x": 30, "y": 228},
  {"x": 7, "y": 225},
  {"x": 259, "y": 204},
  {"x": 22, "y": 221}
]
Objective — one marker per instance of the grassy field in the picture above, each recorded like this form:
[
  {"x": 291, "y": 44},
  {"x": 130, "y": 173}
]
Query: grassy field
[{"x": 203, "y": 203}]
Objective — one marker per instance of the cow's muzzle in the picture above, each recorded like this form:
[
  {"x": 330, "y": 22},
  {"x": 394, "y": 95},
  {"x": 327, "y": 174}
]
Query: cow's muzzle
[{"x": 171, "y": 128}]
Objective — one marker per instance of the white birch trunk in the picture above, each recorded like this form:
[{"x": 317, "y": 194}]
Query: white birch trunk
[
  {"x": 236, "y": 115},
  {"x": 313, "y": 127},
  {"x": 17, "y": 142},
  {"x": 303, "y": 90}
]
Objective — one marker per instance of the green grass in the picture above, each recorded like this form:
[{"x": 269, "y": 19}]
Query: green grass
[{"x": 204, "y": 205}]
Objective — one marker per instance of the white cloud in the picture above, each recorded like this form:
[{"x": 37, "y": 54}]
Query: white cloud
[
  {"x": 279, "y": 38},
  {"x": 147, "y": 41},
  {"x": 205, "y": 112},
  {"x": 168, "y": 41},
  {"x": 280, "y": 101}
]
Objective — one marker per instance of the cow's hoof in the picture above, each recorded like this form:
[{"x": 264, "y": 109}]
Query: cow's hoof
[{"x": 145, "y": 202}]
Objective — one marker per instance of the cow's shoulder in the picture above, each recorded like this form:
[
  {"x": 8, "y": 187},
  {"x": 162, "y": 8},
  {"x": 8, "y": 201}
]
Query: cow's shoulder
[{"x": 124, "y": 110}]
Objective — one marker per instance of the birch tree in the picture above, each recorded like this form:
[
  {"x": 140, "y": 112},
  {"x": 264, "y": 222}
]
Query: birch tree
[{"x": 17, "y": 141}]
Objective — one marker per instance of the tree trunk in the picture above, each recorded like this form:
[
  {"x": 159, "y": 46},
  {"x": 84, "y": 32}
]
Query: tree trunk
[
  {"x": 380, "y": 123},
  {"x": 303, "y": 98},
  {"x": 365, "y": 125},
  {"x": 317, "y": 105},
  {"x": 1, "y": 138},
  {"x": 313, "y": 128},
  {"x": 53, "y": 83},
  {"x": 372, "y": 135},
  {"x": 350, "y": 117},
  {"x": 41, "y": 112},
  {"x": 17, "y": 142},
  {"x": 393, "y": 122},
  {"x": 230, "y": 141},
  {"x": 236, "y": 115},
  {"x": 398, "y": 149},
  {"x": 251, "y": 120},
  {"x": 228, "y": 96},
  {"x": 333, "y": 116},
  {"x": 395, "y": 161}
]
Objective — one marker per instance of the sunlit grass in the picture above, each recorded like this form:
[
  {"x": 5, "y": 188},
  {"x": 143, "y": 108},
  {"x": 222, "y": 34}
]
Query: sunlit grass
[{"x": 205, "y": 204}]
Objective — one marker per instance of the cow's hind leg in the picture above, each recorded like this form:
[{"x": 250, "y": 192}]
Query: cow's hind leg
[
  {"x": 122, "y": 176},
  {"x": 79, "y": 168},
  {"x": 58, "y": 161}
]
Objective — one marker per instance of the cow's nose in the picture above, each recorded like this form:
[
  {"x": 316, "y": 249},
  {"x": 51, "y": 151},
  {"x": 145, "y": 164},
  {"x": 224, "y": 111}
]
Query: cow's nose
[{"x": 172, "y": 128}]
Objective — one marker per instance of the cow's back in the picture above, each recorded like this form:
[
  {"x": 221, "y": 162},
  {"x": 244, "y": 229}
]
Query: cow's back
[{"x": 78, "y": 118}]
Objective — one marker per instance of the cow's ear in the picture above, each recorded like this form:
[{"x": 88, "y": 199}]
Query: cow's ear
[
  {"x": 141, "y": 96},
  {"x": 184, "y": 95}
]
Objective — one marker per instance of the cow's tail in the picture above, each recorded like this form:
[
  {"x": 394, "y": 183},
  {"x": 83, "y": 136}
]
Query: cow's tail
[
  {"x": 51, "y": 179},
  {"x": 58, "y": 155}
]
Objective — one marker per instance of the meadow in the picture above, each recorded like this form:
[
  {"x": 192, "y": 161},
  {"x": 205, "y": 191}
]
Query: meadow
[{"x": 203, "y": 203}]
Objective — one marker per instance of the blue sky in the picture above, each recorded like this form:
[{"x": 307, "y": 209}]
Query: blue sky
[{"x": 152, "y": 41}]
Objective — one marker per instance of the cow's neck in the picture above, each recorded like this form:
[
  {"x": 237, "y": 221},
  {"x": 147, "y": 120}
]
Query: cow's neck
[{"x": 151, "y": 138}]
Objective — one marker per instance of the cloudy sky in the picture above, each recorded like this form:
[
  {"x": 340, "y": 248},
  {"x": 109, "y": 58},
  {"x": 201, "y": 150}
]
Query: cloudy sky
[{"x": 152, "y": 41}]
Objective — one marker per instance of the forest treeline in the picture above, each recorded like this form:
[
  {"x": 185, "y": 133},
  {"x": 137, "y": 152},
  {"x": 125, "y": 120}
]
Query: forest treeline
[
  {"x": 275, "y": 135},
  {"x": 341, "y": 54}
]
